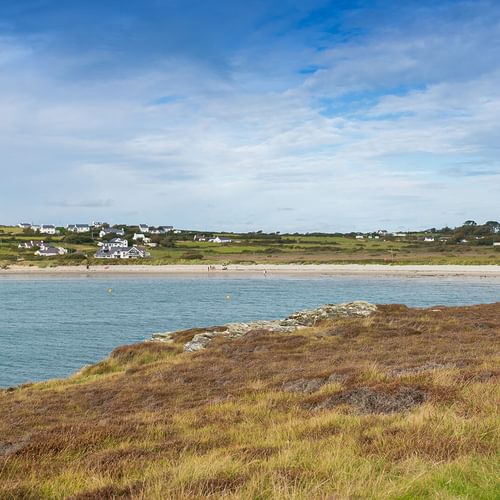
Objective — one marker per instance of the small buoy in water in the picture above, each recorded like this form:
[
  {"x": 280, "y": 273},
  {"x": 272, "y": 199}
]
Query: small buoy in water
[
  {"x": 228, "y": 297},
  {"x": 110, "y": 290}
]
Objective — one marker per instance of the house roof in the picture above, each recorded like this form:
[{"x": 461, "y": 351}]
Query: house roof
[
  {"x": 108, "y": 251},
  {"x": 118, "y": 251},
  {"x": 49, "y": 251}
]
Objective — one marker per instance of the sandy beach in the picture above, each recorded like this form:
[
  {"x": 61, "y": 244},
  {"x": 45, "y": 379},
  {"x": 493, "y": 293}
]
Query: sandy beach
[{"x": 490, "y": 271}]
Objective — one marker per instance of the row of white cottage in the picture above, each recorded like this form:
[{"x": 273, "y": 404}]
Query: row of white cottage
[
  {"x": 42, "y": 249},
  {"x": 114, "y": 249},
  {"x": 52, "y": 229},
  {"x": 85, "y": 228}
]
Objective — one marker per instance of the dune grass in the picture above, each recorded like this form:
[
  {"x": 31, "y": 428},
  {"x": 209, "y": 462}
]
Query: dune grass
[{"x": 404, "y": 407}]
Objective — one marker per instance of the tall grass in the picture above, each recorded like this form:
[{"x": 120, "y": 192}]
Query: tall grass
[{"x": 154, "y": 422}]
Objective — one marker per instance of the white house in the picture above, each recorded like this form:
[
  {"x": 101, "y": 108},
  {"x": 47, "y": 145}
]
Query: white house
[
  {"x": 24, "y": 225},
  {"x": 31, "y": 244},
  {"x": 133, "y": 253},
  {"x": 78, "y": 228},
  {"x": 141, "y": 237},
  {"x": 121, "y": 253},
  {"x": 111, "y": 230},
  {"x": 144, "y": 228},
  {"x": 96, "y": 224},
  {"x": 161, "y": 229},
  {"x": 496, "y": 244},
  {"x": 399, "y": 235},
  {"x": 360, "y": 237},
  {"x": 48, "y": 229},
  {"x": 428, "y": 239},
  {"x": 50, "y": 251},
  {"x": 218, "y": 239},
  {"x": 114, "y": 243},
  {"x": 35, "y": 227}
]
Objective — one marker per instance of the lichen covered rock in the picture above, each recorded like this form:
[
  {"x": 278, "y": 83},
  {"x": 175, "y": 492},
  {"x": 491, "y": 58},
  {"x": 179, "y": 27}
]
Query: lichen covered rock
[
  {"x": 199, "y": 341},
  {"x": 311, "y": 317},
  {"x": 295, "y": 321}
]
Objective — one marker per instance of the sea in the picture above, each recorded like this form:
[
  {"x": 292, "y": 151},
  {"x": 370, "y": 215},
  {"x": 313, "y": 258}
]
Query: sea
[{"x": 50, "y": 327}]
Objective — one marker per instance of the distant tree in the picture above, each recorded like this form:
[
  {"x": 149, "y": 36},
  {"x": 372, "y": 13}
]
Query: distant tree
[
  {"x": 487, "y": 241},
  {"x": 108, "y": 236},
  {"x": 78, "y": 238},
  {"x": 493, "y": 225},
  {"x": 470, "y": 223}
]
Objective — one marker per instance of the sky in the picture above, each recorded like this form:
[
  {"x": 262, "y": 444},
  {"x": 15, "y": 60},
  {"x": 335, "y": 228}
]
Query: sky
[{"x": 274, "y": 115}]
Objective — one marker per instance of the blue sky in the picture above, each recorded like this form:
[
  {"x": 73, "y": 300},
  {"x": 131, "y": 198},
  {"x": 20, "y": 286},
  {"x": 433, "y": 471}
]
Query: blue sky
[{"x": 277, "y": 115}]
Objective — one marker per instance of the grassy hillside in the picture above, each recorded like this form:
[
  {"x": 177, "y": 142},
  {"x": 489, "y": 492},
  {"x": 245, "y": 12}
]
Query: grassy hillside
[{"x": 401, "y": 404}]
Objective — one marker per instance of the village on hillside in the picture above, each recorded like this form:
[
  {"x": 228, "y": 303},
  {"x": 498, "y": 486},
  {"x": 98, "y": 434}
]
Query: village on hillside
[
  {"x": 112, "y": 242},
  {"x": 27, "y": 243}
]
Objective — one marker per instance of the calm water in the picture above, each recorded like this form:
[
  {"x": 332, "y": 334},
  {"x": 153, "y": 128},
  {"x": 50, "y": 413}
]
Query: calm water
[{"x": 51, "y": 327}]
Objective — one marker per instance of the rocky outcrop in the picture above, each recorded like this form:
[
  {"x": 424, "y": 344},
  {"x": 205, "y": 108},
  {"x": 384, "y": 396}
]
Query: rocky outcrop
[
  {"x": 200, "y": 341},
  {"x": 311, "y": 317},
  {"x": 236, "y": 330},
  {"x": 301, "y": 319}
]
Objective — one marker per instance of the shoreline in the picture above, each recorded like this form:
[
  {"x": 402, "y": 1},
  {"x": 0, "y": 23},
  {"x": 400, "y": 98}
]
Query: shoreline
[{"x": 489, "y": 271}]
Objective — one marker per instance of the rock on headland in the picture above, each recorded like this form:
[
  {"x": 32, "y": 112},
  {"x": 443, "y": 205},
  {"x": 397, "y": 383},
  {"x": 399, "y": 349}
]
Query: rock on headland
[{"x": 297, "y": 320}]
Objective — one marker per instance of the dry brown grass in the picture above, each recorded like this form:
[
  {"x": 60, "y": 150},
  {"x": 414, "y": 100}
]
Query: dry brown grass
[{"x": 401, "y": 404}]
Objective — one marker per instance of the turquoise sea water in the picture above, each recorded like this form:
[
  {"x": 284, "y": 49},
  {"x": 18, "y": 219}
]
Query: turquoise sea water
[{"x": 51, "y": 327}]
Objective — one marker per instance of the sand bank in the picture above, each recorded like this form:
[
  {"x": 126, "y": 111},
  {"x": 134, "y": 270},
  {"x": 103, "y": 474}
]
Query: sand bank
[{"x": 261, "y": 269}]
